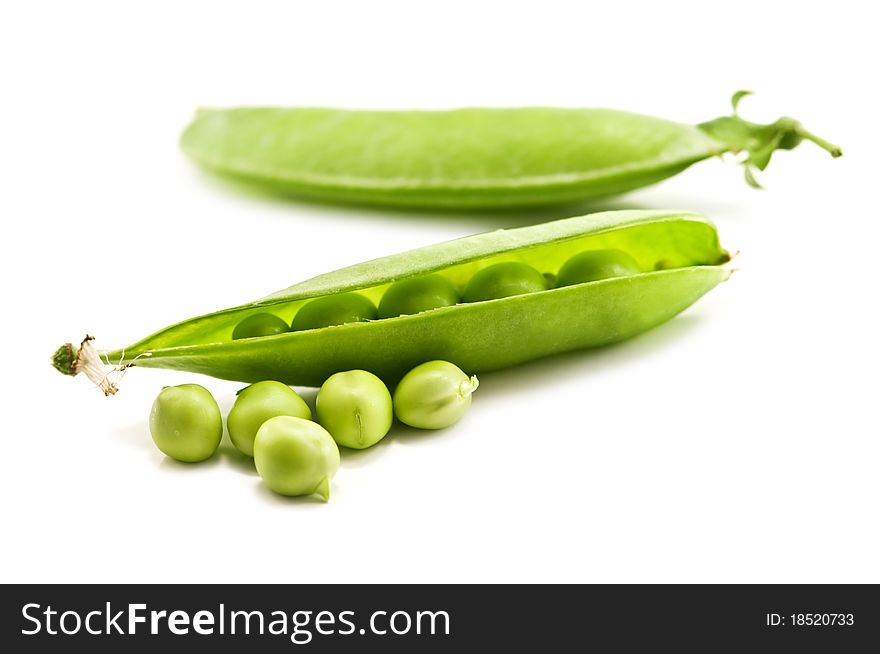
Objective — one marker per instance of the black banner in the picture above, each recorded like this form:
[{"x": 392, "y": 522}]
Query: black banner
[{"x": 316, "y": 618}]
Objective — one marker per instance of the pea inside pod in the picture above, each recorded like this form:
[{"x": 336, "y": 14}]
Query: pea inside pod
[
  {"x": 409, "y": 296},
  {"x": 476, "y": 336},
  {"x": 259, "y": 324},
  {"x": 593, "y": 265},
  {"x": 504, "y": 279},
  {"x": 333, "y": 310}
]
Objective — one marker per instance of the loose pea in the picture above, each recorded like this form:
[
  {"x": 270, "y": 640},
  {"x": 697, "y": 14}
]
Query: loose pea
[
  {"x": 255, "y": 405},
  {"x": 259, "y": 324},
  {"x": 593, "y": 265},
  {"x": 185, "y": 423},
  {"x": 409, "y": 296},
  {"x": 295, "y": 456},
  {"x": 337, "y": 309},
  {"x": 503, "y": 280},
  {"x": 355, "y": 407},
  {"x": 433, "y": 395}
]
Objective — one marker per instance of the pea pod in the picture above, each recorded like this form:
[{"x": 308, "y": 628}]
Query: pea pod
[
  {"x": 477, "y": 336},
  {"x": 470, "y": 158}
]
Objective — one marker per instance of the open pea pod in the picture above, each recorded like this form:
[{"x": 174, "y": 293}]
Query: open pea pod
[{"x": 679, "y": 253}]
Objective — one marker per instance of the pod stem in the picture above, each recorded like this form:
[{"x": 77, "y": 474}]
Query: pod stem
[
  {"x": 828, "y": 146},
  {"x": 760, "y": 141}
]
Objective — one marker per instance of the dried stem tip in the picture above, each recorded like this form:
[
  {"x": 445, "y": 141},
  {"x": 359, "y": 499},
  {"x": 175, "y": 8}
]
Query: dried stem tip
[{"x": 69, "y": 360}]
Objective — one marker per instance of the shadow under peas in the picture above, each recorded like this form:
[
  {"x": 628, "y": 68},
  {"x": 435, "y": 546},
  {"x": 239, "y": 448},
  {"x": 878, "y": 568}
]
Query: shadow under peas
[
  {"x": 309, "y": 396},
  {"x": 136, "y": 434},
  {"x": 399, "y": 433},
  {"x": 167, "y": 463},
  {"x": 407, "y": 435},
  {"x": 270, "y": 496},
  {"x": 235, "y": 459},
  {"x": 486, "y": 218},
  {"x": 352, "y": 458}
]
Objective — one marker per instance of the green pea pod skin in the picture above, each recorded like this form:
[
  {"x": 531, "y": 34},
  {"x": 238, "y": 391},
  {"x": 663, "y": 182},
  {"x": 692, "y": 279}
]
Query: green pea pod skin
[
  {"x": 478, "y": 336},
  {"x": 490, "y": 336},
  {"x": 465, "y": 158}
]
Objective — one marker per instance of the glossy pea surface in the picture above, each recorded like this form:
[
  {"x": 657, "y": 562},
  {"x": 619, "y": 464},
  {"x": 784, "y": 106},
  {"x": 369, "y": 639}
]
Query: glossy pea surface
[
  {"x": 409, "y": 296},
  {"x": 259, "y": 324},
  {"x": 295, "y": 456},
  {"x": 340, "y": 309},
  {"x": 258, "y": 403},
  {"x": 185, "y": 423},
  {"x": 433, "y": 395},
  {"x": 355, "y": 407},
  {"x": 593, "y": 265},
  {"x": 504, "y": 279}
]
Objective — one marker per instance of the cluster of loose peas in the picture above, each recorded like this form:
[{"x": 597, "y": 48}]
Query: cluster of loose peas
[
  {"x": 272, "y": 423},
  {"x": 434, "y": 291}
]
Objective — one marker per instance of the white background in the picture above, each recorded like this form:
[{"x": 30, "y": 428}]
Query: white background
[{"x": 738, "y": 443}]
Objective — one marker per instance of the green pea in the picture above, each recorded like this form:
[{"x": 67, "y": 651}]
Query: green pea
[
  {"x": 433, "y": 395},
  {"x": 503, "y": 280},
  {"x": 295, "y": 456},
  {"x": 259, "y": 324},
  {"x": 255, "y": 405},
  {"x": 355, "y": 407},
  {"x": 593, "y": 265},
  {"x": 339, "y": 309},
  {"x": 185, "y": 423},
  {"x": 409, "y": 296}
]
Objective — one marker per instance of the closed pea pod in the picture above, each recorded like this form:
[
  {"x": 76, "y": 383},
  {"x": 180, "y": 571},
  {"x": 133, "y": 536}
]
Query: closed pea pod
[
  {"x": 470, "y": 158},
  {"x": 477, "y": 336}
]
